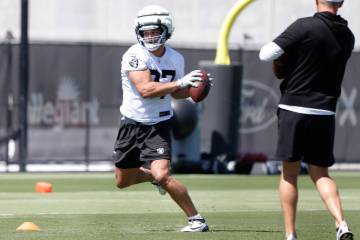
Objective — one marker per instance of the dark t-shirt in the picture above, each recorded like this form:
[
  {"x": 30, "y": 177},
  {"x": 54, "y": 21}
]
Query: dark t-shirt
[{"x": 318, "y": 48}]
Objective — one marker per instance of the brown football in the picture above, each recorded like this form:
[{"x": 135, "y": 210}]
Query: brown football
[
  {"x": 199, "y": 93},
  {"x": 282, "y": 66}
]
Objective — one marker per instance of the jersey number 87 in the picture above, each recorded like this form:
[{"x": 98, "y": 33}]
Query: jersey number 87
[{"x": 165, "y": 74}]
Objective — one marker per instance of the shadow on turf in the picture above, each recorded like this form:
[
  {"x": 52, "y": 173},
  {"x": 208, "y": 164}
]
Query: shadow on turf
[
  {"x": 244, "y": 230},
  {"x": 224, "y": 230}
]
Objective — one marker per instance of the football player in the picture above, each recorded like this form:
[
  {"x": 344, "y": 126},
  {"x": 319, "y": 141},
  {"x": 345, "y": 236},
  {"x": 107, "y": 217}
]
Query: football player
[{"x": 153, "y": 72}]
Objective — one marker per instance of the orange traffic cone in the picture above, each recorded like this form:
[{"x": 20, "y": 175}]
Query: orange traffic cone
[
  {"x": 43, "y": 187},
  {"x": 28, "y": 226}
]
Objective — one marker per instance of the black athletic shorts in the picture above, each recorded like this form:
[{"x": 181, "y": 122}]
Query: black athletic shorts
[
  {"x": 137, "y": 143},
  {"x": 306, "y": 137}
]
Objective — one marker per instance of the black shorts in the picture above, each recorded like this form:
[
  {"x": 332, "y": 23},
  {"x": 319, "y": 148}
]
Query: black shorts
[
  {"x": 137, "y": 143},
  {"x": 306, "y": 137}
]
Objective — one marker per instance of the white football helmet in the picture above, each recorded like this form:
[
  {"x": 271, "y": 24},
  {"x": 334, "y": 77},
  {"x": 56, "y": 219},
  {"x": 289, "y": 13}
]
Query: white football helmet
[{"x": 153, "y": 17}]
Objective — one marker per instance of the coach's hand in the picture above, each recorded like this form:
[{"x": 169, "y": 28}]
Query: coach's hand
[{"x": 191, "y": 79}]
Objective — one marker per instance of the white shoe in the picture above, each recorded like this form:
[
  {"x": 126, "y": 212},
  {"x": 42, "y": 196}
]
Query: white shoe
[
  {"x": 344, "y": 233},
  {"x": 196, "y": 225},
  {"x": 161, "y": 190},
  {"x": 291, "y": 237}
]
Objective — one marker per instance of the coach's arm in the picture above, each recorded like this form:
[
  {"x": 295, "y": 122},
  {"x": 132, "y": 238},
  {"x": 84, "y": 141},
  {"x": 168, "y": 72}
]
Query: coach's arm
[{"x": 272, "y": 52}]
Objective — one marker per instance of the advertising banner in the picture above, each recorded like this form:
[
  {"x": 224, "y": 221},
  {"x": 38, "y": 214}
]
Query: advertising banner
[{"x": 75, "y": 94}]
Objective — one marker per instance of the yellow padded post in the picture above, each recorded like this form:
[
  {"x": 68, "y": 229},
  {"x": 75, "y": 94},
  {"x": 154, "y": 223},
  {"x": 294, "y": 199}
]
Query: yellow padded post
[{"x": 222, "y": 51}]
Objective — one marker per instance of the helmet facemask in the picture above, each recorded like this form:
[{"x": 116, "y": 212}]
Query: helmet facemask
[{"x": 151, "y": 43}]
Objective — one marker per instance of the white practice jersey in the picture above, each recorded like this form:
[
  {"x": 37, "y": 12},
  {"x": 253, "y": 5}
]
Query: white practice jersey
[{"x": 169, "y": 67}]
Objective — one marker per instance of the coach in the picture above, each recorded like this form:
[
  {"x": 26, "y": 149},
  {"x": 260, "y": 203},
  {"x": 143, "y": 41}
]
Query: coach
[{"x": 310, "y": 56}]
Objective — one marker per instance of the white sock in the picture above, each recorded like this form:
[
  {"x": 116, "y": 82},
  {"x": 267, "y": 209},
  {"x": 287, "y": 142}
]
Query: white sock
[
  {"x": 291, "y": 237},
  {"x": 343, "y": 223},
  {"x": 197, "y": 216}
]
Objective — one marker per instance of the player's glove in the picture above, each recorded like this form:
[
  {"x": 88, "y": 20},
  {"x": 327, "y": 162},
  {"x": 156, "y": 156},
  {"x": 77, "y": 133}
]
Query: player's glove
[{"x": 191, "y": 79}]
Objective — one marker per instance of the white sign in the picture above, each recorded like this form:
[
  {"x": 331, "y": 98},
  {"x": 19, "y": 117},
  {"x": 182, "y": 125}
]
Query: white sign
[
  {"x": 348, "y": 101},
  {"x": 257, "y": 106},
  {"x": 67, "y": 110}
]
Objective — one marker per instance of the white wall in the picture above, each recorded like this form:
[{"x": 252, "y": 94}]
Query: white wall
[{"x": 197, "y": 22}]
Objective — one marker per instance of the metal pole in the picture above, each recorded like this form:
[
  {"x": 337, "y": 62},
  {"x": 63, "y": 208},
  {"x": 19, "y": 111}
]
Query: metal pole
[
  {"x": 88, "y": 95},
  {"x": 23, "y": 86},
  {"x": 10, "y": 105}
]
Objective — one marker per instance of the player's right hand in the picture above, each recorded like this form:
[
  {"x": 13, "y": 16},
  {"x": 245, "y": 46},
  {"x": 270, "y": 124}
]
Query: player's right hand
[{"x": 191, "y": 79}]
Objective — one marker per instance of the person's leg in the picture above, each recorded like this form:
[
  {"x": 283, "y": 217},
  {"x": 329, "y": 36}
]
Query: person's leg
[
  {"x": 161, "y": 173},
  {"x": 328, "y": 191},
  {"x": 130, "y": 176},
  {"x": 289, "y": 195},
  {"x": 160, "y": 170}
]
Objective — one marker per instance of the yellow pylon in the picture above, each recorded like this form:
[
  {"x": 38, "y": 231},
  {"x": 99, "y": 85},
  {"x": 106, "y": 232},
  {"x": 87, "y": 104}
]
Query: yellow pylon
[{"x": 28, "y": 226}]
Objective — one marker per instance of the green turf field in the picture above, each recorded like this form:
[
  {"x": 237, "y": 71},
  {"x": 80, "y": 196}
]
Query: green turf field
[{"x": 88, "y": 206}]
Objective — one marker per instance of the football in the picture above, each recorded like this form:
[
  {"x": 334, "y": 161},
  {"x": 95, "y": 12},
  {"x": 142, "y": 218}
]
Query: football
[
  {"x": 282, "y": 66},
  {"x": 198, "y": 94}
]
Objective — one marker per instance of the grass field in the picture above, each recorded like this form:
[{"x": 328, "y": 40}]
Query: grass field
[{"x": 88, "y": 206}]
